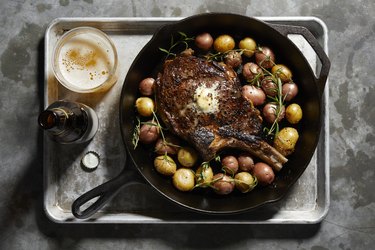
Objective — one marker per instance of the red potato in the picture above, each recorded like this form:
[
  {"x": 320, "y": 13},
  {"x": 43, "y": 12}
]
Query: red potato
[
  {"x": 230, "y": 164},
  {"x": 169, "y": 146},
  {"x": 233, "y": 59},
  {"x": 264, "y": 173},
  {"x": 146, "y": 86},
  {"x": 223, "y": 184},
  {"x": 253, "y": 94},
  {"x": 148, "y": 133},
  {"x": 289, "y": 91},
  {"x": 270, "y": 112},
  {"x": 269, "y": 86},
  {"x": 245, "y": 162},
  {"x": 265, "y": 57},
  {"x": 251, "y": 70},
  {"x": 204, "y": 41}
]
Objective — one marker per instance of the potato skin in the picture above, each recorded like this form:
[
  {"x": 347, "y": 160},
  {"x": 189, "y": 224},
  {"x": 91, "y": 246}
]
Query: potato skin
[
  {"x": 187, "y": 156},
  {"x": 233, "y": 59},
  {"x": 265, "y": 57},
  {"x": 204, "y": 176},
  {"x": 146, "y": 86},
  {"x": 165, "y": 165},
  {"x": 148, "y": 133},
  {"x": 145, "y": 106},
  {"x": 224, "y": 43},
  {"x": 253, "y": 94},
  {"x": 289, "y": 91},
  {"x": 230, "y": 164},
  {"x": 204, "y": 41},
  {"x": 184, "y": 179},
  {"x": 245, "y": 182},
  {"x": 270, "y": 112},
  {"x": 245, "y": 162},
  {"x": 223, "y": 184},
  {"x": 293, "y": 113},
  {"x": 269, "y": 86},
  {"x": 282, "y": 71},
  {"x": 163, "y": 147},
  {"x": 264, "y": 173},
  {"x": 285, "y": 141},
  {"x": 251, "y": 70},
  {"x": 248, "y": 45}
]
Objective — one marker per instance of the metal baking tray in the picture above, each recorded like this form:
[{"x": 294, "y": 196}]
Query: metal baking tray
[{"x": 65, "y": 179}]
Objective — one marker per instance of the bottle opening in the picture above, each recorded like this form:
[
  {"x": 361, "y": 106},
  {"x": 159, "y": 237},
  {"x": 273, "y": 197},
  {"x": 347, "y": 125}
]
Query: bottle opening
[{"x": 47, "y": 119}]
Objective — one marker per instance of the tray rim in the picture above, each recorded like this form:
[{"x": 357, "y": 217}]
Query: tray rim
[{"x": 140, "y": 219}]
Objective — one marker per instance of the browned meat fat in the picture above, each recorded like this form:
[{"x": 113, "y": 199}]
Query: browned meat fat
[{"x": 201, "y": 102}]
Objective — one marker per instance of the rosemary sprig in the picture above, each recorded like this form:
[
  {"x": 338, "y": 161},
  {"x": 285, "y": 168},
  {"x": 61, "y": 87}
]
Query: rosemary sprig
[
  {"x": 136, "y": 132},
  {"x": 220, "y": 56},
  {"x": 275, "y": 128},
  {"x": 159, "y": 125},
  {"x": 256, "y": 80},
  {"x": 183, "y": 40}
]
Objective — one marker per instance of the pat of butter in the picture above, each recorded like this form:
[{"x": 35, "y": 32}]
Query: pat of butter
[{"x": 206, "y": 99}]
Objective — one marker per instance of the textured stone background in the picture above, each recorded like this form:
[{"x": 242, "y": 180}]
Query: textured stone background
[{"x": 350, "y": 223}]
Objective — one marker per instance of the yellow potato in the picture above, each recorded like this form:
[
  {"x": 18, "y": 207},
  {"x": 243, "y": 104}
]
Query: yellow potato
[
  {"x": 283, "y": 72},
  {"x": 204, "y": 175},
  {"x": 245, "y": 182},
  {"x": 187, "y": 156},
  {"x": 248, "y": 45},
  {"x": 293, "y": 113},
  {"x": 165, "y": 165},
  {"x": 286, "y": 140},
  {"x": 224, "y": 43},
  {"x": 145, "y": 106},
  {"x": 184, "y": 179}
]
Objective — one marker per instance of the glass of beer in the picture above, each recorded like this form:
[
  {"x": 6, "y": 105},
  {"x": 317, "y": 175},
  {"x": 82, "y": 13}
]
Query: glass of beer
[{"x": 85, "y": 60}]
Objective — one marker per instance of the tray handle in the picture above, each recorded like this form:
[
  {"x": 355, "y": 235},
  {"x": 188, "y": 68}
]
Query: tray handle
[
  {"x": 310, "y": 38},
  {"x": 105, "y": 192}
]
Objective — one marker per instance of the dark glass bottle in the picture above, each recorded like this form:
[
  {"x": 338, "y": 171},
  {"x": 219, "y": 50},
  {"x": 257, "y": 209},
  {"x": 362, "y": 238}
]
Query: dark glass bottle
[{"x": 69, "y": 122}]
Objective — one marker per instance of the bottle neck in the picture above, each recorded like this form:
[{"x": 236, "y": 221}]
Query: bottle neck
[{"x": 53, "y": 119}]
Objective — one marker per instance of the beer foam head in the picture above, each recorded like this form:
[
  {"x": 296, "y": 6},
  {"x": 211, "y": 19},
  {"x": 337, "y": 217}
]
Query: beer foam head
[{"x": 85, "y": 60}]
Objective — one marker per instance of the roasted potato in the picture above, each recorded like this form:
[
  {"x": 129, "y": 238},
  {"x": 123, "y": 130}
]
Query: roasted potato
[
  {"x": 184, "y": 179},
  {"x": 187, "y": 156},
  {"x": 145, "y": 106},
  {"x": 245, "y": 182},
  {"x": 264, "y": 173},
  {"x": 285, "y": 141},
  {"x": 293, "y": 113},
  {"x": 165, "y": 165},
  {"x": 224, "y": 43},
  {"x": 204, "y": 175}
]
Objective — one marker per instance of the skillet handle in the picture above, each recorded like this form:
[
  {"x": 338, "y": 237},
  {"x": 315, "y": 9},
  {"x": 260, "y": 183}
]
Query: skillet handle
[
  {"x": 310, "y": 38},
  {"x": 105, "y": 192}
]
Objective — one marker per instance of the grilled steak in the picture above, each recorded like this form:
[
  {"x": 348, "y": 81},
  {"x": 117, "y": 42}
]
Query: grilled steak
[{"x": 201, "y": 102}]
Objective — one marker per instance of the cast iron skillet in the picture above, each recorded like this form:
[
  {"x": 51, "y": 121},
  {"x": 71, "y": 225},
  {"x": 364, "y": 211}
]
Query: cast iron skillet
[{"x": 148, "y": 62}]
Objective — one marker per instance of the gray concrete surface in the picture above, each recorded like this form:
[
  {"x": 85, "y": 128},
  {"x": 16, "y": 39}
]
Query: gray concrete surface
[{"x": 350, "y": 223}]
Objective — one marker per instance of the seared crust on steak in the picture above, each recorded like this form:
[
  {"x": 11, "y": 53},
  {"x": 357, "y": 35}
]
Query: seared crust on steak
[{"x": 201, "y": 102}]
